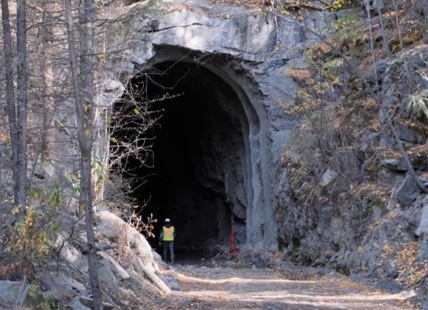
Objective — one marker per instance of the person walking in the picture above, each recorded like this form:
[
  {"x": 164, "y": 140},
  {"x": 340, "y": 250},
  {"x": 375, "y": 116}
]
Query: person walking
[{"x": 166, "y": 240}]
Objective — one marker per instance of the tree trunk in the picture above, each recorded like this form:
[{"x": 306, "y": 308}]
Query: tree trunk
[
  {"x": 10, "y": 92},
  {"x": 21, "y": 108},
  {"x": 46, "y": 67},
  {"x": 83, "y": 95},
  {"x": 385, "y": 46},
  {"x": 86, "y": 19}
]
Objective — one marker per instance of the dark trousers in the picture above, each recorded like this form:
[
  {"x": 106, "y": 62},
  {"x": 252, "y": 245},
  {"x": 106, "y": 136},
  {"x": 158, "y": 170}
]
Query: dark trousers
[{"x": 168, "y": 246}]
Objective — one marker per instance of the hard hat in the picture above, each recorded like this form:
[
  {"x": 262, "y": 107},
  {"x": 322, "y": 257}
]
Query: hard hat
[{"x": 167, "y": 220}]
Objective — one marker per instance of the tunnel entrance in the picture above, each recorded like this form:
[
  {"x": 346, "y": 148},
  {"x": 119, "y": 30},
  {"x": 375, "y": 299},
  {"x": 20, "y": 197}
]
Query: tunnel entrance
[{"x": 198, "y": 172}]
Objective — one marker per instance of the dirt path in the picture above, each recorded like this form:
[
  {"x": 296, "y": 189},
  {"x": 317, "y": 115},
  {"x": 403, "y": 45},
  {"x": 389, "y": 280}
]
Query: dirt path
[{"x": 203, "y": 288}]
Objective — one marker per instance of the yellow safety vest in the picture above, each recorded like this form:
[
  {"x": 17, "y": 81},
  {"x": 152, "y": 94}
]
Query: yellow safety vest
[{"x": 168, "y": 233}]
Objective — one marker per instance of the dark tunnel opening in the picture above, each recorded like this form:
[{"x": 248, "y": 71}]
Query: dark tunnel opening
[{"x": 198, "y": 164}]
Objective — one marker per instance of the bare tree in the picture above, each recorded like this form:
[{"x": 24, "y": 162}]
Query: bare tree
[
  {"x": 21, "y": 108},
  {"x": 46, "y": 68},
  {"x": 84, "y": 102},
  {"x": 10, "y": 92},
  {"x": 385, "y": 46},
  {"x": 16, "y": 107}
]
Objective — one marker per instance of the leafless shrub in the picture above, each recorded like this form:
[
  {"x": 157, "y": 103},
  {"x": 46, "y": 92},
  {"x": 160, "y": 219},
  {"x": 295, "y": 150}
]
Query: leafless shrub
[{"x": 417, "y": 104}]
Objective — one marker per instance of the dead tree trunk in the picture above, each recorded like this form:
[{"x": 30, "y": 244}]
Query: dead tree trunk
[
  {"x": 21, "y": 108},
  {"x": 84, "y": 102},
  {"x": 10, "y": 92},
  {"x": 46, "y": 67}
]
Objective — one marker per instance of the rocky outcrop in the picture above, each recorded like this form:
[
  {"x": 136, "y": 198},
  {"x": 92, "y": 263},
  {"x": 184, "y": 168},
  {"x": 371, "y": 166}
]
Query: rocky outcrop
[
  {"x": 245, "y": 49},
  {"x": 247, "y": 56},
  {"x": 126, "y": 265},
  {"x": 252, "y": 53},
  {"x": 375, "y": 226}
]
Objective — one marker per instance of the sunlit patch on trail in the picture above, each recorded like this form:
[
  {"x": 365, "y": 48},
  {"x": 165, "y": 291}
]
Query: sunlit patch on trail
[
  {"x": 352, "y": 301},
  {"x": 237, "y": 280},
  {"x": 252, "y": 289}
]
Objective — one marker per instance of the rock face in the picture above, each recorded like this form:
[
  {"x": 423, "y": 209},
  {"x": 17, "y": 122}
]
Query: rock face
[
  {"x": 227, "y": 64},
  {"x": 127, "y": 266},
  {"x": 378, "y": 227},
  {"x": 226, "y": 128}
]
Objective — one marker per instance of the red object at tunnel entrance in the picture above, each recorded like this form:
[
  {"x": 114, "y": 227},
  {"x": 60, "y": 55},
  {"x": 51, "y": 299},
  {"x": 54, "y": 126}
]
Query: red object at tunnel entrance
[{"x": 233, "y": 249}]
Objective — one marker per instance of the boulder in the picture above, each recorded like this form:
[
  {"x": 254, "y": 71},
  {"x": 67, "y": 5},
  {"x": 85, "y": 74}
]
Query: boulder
[
  {"x": 75, "y": 304},
  {"x": 107, "y": 276},
  {"x": 423, "y": 221},
  {"x": 114, "y": 228},
  {"x": 13, "y": 292},
  {"x": 410, "y": 135},
  {"x": 328, "y": 177},
  {"x": 408, "y": 191},
  {"x": 118, "y": 270},
  {"x": 171, "y": 282},
  {"x": 395, "y": 164},
  {"x": 132, "y": 245},
  {"x": 86, "y": 303},
  {"x": 69, "y": 252},
  {"x": 62, "y": 284}
]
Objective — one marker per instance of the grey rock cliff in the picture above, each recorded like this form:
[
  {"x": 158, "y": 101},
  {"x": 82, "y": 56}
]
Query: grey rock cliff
[{"x": 250, "y": 51}]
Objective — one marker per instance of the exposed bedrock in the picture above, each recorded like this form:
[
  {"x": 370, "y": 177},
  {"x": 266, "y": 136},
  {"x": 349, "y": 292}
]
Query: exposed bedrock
[{"x": 219, "y": 141}]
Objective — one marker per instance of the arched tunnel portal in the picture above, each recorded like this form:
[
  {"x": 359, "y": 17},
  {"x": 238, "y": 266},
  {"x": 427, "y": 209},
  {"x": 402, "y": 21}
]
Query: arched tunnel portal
[{"x": 204, "y": 168}]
